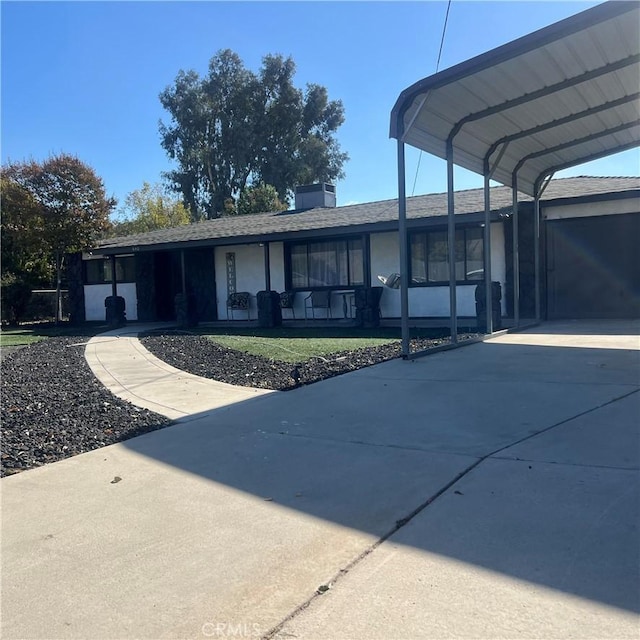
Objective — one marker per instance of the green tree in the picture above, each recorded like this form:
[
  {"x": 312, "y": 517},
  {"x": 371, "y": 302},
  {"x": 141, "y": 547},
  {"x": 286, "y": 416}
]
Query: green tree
[
  {"x": 63, "y": 207},
  {"x": 261, "y": 198},
  {"x": 23, "y": 265},
  {"x": 297, "y": 131},
  {"x": 147, "y": 209},
  {"x": 234, "y": 127},
  {"x": 21, "y": 227}
]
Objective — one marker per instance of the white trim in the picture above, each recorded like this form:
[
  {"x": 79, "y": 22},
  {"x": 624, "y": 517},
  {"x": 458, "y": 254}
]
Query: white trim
[{"x": 590, "y": 209}]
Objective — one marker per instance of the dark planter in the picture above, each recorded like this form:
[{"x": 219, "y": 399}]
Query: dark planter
[
  {"x": 367, "y": 301},
  {"x": 115, "y": 311},
  {"x": 481, "y": 306},
  {"x": 269, "y": 311}
]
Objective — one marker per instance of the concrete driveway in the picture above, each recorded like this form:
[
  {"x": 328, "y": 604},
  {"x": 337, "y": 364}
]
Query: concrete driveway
[{"x": 486, "y": 492}]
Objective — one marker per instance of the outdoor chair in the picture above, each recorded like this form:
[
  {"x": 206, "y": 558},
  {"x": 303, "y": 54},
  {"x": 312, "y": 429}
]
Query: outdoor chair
[
  {"x": 287, "y": 298},
  {"x": 318, "y": 300},
  {"x": 240, "y": 301}
]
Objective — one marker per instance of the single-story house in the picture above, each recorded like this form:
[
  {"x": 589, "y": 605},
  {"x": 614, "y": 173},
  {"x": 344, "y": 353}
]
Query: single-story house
[
  {"x": 559, "y": 248},
  {"x": 590, "y": 264}
]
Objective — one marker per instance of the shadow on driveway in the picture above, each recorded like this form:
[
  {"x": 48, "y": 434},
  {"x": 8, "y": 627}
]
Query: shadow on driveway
[{"x": 369, "y": 450}]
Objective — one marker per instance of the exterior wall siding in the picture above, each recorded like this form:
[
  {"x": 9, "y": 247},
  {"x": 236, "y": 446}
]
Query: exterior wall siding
[
  {"x": 249, "y": 272},
  {"x": 432, "y": 301},
  {"x": 95, "y": 294}
]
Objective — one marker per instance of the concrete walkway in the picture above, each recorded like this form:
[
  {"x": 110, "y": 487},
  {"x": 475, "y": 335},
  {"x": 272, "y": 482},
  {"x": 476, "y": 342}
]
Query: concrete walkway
[
  {"x": 118, "y": 359},
  {"x": 486, "y": 492}
]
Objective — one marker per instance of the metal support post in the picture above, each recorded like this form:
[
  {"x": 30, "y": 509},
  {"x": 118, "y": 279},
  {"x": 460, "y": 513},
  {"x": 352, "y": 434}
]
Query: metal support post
[
  {"x": 488, "y": 291},
  {"x": 404, "y": 262},
  {"x": 451, "y": 237},
  {"x": 516, "y": 255},
  {"x": 536, "y": 251}
]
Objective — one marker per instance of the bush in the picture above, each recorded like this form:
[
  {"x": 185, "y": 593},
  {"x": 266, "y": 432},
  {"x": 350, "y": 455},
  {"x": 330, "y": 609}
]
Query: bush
[
  {"x": 42, "y": 305},
  {"x": 15, "y": 294}
]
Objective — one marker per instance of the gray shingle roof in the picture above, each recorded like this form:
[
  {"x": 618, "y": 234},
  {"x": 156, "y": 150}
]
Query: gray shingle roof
[{"x": 273, "y": 226}]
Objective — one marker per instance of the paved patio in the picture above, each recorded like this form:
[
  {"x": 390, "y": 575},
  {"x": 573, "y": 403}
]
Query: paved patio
[{"x": 490, "y": 491}]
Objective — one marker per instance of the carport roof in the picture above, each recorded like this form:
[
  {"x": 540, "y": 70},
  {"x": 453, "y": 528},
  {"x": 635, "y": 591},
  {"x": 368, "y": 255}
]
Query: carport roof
[{"x": 559, "y": 97}]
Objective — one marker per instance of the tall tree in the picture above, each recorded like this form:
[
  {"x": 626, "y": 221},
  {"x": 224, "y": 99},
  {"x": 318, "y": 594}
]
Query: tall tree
[
  {"x": 24, "y": 267},
  {"x": 147, "y": 209},
  {"x": 70, "y": 209},
  {"x": 212, "y": 133},
  {"x": 234, "y": 128},
  {"x": 261, "y": 198},
  {"x": 21, "y": 228}
]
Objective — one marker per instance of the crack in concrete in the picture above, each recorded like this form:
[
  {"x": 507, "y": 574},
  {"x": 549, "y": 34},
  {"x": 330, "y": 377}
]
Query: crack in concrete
[{"x": 404, "y": 521}]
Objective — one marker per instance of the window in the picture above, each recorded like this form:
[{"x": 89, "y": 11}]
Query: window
[
  {"x": 430, "y": 256},
  {"x": 99, "y": 271},
  {"x": 330, "y": 263}
]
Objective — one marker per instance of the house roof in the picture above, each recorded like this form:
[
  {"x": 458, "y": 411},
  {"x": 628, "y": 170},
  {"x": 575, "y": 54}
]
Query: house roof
[
  {"x": 556, "y": 98},
  {"x": 371, "y": 216}
]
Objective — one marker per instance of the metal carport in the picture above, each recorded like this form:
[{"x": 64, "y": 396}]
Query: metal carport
[{"x": 556, "y": 98}]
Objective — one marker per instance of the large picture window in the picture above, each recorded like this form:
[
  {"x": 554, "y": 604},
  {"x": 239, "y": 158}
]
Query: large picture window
[
  {"x": 326, "y": 263},
  {"x": 98, "y": 271},
  {"x": 430, "y": 256}
]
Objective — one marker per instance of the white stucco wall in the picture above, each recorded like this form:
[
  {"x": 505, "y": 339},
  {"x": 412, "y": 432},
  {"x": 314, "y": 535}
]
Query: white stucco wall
[
  {"x": 250, "y": 275},
  {"x": 94, "y": 295},
  {"x": 430, "y": 301}
]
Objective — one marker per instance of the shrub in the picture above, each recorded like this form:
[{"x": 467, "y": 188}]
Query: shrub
[{"x": 15, "y": 293}]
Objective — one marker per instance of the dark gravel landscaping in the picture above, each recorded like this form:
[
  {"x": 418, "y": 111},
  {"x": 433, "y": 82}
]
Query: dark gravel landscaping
[
  {"x": 205, "y": 358},
  {"x": 53, "y": 407}
]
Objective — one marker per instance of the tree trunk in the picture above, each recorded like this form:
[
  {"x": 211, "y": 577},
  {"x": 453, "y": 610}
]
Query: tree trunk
[{"x": 58, "y": 287}]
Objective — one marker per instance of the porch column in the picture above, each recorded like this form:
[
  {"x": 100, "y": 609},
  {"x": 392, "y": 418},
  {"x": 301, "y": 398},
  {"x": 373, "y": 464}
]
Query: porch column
[
  {"x": 114, "y": 284},
  {"x": 451, "y": 237},
  {"x": 183, "y": 273},
  {"x": 267, "y": 267}
]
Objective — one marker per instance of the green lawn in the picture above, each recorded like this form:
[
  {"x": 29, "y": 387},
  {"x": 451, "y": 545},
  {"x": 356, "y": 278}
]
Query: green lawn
[
  {"x": 29, "y": 334},
  {"x": 300, "y": 344},
  {"x": 18, "y": 337},
  {"x": 289, "y": 349}
]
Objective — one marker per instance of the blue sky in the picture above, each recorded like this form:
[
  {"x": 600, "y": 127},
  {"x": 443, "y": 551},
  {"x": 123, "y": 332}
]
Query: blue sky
[{"x": 84, "y": 77}]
